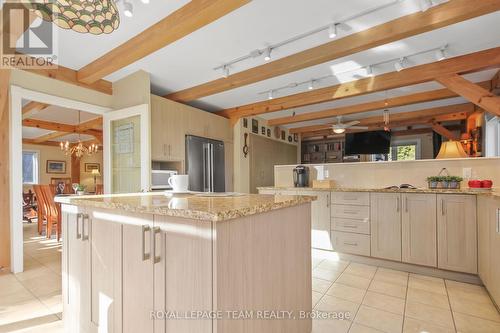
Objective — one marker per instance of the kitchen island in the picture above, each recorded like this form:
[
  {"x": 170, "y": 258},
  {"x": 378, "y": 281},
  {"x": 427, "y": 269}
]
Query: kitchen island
[{"x": 153, "y": 263}]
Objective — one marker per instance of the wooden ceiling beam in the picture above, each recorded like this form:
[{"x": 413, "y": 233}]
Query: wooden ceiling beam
[
  {"x": 91, "y": 124},
  {"x": 49, "y": 137},
  {"x": 32, "y": 108},
  {"x": 187, "y": 19},
  {"x": 443, "y": 131},
  {"x": 48, "y": 125},
  {"x": 426, "y": 96},
  {"x": 414, "y": 24},
  {"x": 495, "y": 81},
  {"x": 472, "y": 92},
  {"x": 425, "y": 115},
  {"x": 46, "y": 143},
  {"x": 418, "y": 74}
]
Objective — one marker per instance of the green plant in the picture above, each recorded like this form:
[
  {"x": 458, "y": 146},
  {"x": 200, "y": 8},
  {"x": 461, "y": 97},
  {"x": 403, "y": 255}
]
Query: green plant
[
  {"x": 434, "y": 179},
  {"x": 455, "y": 179},
  {"x": 81, "y": 187}
]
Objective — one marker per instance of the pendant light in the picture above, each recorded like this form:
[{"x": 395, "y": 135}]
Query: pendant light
[{"x": 79, "y": 149}]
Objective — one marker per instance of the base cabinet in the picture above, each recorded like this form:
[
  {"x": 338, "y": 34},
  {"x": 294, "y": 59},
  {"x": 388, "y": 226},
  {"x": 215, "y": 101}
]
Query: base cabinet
[
  {"x": 320, "y": 221},
  {"x": 419, "y": 245},
  {"x": 457, "y": 233},
  {"x": 494, "y": 285},
  {"x": 385, "y": 218}
]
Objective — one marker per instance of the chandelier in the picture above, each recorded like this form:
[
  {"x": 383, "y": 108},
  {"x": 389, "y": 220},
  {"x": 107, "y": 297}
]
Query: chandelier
[
  {"x": 84, "y": 16},
  {"x": 78, "y": 149}
]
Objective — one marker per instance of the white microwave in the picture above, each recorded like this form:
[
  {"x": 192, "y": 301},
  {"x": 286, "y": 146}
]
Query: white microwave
[{"x": 159, "y": 179}]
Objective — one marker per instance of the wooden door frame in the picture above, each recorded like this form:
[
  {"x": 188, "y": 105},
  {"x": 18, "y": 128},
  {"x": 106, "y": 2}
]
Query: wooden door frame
[{"x": 17, "y": 94}]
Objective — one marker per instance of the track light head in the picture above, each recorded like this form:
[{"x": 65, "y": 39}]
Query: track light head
[
  {"x": 225, "y": 71},
  {"x": 333, "y": 30},
  {"x": 369, "y": 71},
  {"x": 400, "y": 64},
  {"x": 425, "y": 5},
  {"x": 128, "y": 9},
  {"x": 267, "y": 54},
  {"x": 270, "y": 94},
  {"x": 311, "y": 85},
  {"x": 441, "y": 54}
]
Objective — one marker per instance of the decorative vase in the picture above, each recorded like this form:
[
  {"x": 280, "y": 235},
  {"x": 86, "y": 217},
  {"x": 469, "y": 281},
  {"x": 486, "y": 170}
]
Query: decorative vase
[{"x": 80, "y": 192}]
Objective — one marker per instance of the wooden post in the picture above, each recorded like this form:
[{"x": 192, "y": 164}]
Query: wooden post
[
  {"x": 75, "y": 169},
  {"x": 4, "y": 169}
]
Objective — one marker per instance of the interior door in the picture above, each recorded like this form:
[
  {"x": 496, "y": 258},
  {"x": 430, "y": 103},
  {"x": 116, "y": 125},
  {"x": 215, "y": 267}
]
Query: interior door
[{"x": 127, "y": 146}]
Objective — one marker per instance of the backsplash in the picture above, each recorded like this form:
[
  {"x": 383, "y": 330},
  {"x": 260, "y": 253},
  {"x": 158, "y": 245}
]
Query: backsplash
[{"x": 383, "y": 174}]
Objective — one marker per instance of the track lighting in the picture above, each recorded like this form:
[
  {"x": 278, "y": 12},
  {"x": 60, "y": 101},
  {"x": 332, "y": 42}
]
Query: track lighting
[
  {"x": 270, "y": 94},
  {"x": 441, "y": 54},
  {"x": 400, "y": 64},
  {"x": 128, "y": 9},
  {"x": 332, "y": 31},
  {"x": 425, "y": 5},
  {"x": 311, "y": 85},
  {"x": 369, "y": 71},
  {"x": 267, "y": 54},
  {"x": 225, "y": 71}
]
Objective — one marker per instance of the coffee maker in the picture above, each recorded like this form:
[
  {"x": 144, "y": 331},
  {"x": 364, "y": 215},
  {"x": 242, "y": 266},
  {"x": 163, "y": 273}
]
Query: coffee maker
[{"x": 301, "y": 176}]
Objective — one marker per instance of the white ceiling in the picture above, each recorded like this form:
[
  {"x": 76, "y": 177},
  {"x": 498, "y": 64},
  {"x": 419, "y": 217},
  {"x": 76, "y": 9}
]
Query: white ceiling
[{"x": 190, "y": 61}]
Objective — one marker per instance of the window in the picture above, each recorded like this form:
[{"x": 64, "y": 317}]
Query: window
[
  {"x": 30, "y": 167},
  {"x": 492, "y": 136},
  {"x": 401, "y": 151}
]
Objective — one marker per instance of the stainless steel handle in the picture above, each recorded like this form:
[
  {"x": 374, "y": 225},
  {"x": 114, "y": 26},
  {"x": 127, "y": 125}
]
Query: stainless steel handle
[
  {"x": 406, "y": 204},
  {"x": 350, "y": 212},
  {"x": 85, "y": 217},
  {"x": 351, "y": 244},
  {"x": 145, "y": 229},
  {"x": 398, "y": 208},
  {"x": 327, "y": 200},
  {"x": 156, "y": 258},
  {"x": 442, "y": 207},
  {"x": 498, "y": 221},
  {"x": 206, "y": 180},
  {"x": 78, "y": 233},
  {"x": 351, "y": 226},
  {"x": 212, "y": 187}
]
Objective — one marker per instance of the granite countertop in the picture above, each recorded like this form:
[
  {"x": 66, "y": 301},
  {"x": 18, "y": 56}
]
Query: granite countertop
[
  {"x": 494, "y": 192},
  {"x": 189, "y": 206}
]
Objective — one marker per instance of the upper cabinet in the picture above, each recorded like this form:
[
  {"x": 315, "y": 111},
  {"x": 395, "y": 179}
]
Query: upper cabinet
[
  {"x": 457, "y": 236},
  {"x": 172, "y": 121}
]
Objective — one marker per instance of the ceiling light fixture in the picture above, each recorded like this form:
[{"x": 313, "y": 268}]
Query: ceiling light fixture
[
  {"x": 270, "y": 94},
  {"x": 400, "y": 64},
  {"x": 425, "y": 5},
  {"x": 267, "y": 54},
  {"x": 145, "y": 1},
  {"x": 332, "y": 30},
  {"x": 369, "y": 71},
  {"x": 79, "y": 149},
  {"x": 311, "y": 85},
  {"x": 95, "y": 17},
  {"x": 441, "y": 53},
  {"x": 128, "y": 9},
  {"x": 225, "y": 71},
  {"x": 339, "y": 130}
]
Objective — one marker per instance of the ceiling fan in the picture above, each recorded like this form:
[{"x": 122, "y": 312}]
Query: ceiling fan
[{"x": 340, "y": 127}]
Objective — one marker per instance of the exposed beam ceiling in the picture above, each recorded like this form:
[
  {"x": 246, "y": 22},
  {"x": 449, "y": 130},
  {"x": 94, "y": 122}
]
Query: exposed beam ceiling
[
  {"x": 418, "y": 74},
  {"x": 49, "y": 136},
  {"x": 410, "y": 118},
  {"x": 440, "y": 16},
  {"x": 48, "y": 125},
  {"x": 495, "y": 82},
  {"x": 88, "y": 128},
  {"x": 472, "y": 92},
  {"x": 46, "y": 143},
  {"x": 33, "y": 107},
  {"x": 443, "y": 131},
  {"x": 189, "y": 18},
  {"x": 426, "y": 96}
]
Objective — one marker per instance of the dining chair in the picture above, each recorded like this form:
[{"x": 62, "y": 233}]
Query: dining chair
[
  {"x": 99, "y": 189},
  {"x": 54, "y": 211},
  {"x": 41, "y": 207}
]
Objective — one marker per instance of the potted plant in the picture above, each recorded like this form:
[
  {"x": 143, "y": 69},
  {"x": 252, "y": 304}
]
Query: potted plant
[
  {"x": 80, "y": 189},
  {"x": 433, "y": 181},
  {"x": 454, "y": 182}
]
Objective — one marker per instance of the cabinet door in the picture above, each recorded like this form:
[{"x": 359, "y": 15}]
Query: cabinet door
[
  {"x": 494, "y": 285},
  {"x": 157, "y": 133},
  {"x": 183, "y": 278},
  {"x": 105, "y": 254},
  {"x": 385, "y": 221},
  {"x": 77, "y": 297},
  {"x": 137, "y": 279},
  {"x": 175, "y": 124},
  {"x": 320, "y": 220},
  {"x": 485, "y": 214},
  {"x": 419, "y": 229},
  {"x": 457, "y": 236}
]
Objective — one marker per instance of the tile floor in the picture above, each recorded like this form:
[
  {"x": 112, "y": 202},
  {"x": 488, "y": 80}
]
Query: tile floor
[
  {"x": 384, "y": 300},
  {"x": 376, "y": 299},
  {"x": 31, "y": 301}
]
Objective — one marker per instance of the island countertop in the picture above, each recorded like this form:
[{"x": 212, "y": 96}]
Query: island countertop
[{"x": 189, "y": 206}]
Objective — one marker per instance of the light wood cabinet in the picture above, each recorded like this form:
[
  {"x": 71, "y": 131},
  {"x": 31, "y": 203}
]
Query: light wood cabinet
[
  {"x": 349, "y": 242},
  {"x": 385, "y": 219},
  {"x": 457, "y": 233},
  {"x": 485, "y": 215},
  {"x": 419, "y": 245},
  {"x": 494, "y": 257},
  {"x": 320, "y": 220}
]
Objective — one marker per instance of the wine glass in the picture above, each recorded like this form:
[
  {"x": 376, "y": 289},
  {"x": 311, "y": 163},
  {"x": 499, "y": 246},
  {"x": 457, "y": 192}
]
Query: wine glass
[{"x": 74, "y": 186}]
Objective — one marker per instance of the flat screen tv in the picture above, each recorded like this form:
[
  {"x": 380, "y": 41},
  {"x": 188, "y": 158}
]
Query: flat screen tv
[{"x": 375, "y": 142}]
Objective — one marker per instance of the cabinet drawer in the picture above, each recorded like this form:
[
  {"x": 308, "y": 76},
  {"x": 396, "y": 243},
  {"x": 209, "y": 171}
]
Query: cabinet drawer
[
  {"x": 351, "y": 243},
  {"x": 351, "y": 212},
  {"x": 351, "y": 198},
  {"x": 351, "y": 225}
]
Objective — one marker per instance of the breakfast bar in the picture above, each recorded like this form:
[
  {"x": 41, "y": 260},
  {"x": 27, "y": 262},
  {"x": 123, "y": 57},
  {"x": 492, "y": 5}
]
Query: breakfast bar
[{"x": 192, "y": 263}]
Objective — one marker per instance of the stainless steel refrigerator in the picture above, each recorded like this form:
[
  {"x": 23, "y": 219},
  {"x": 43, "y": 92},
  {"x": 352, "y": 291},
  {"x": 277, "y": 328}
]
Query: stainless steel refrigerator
[{"x": 205, "y": 164}]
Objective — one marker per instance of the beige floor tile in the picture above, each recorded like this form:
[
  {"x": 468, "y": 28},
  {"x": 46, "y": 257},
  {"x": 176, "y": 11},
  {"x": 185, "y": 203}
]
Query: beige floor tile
[
  {"x": 384, "y": 302},
  {"x": 429, "y": 314},
  {"x": 53, "y": 301},
  {"x": 420, "y": 326},
  {"x": 427, "y": 278},
  {"x": 477, "y": 294},
  {"x": 346, "y": 292},
  {"x": 330, "y": 326},
  {"x": 337, "y": 305},
  {"x": 391, "y": 276},
  {"x": 329, "y": 275},
  {"x": 358, "y": 328},
  {"x": 354, "y": 281},
  {"x": 362, "y": 270},
  {"x": 42, "y": 324},
  {"x": 429, "y": 284},
  {"x": 23, "y": 311},
  {"x": 316, "y": 297},
  {"x": 44, "y": 285},
  {"x": 22, "y": 295},
  {"x": 478, "y": 309},
  {"x": 470, "y": 324},
  {"x": 378, "y": 319},
  {"x": 315, "y": 262},
  {"x": 390, "y": 289},
  {"x": 320, "y": 285},
  {"x": 429, "y": 298},
  {"x": 336, "y": 265}
]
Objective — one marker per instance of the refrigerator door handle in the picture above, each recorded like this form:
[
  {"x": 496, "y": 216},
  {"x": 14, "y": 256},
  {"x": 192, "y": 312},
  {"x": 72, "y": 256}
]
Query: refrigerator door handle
[
  {"x": 212, "y": 186},
  {"x": 206, "y": 180}
]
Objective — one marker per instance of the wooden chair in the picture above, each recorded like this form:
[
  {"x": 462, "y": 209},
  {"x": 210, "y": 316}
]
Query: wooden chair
[
  {"x": 41, "y": 207},
  {"x": 29, "y": 207},
  {"x": 54, "y": 211},
  {"x": 99, "y": 189}
]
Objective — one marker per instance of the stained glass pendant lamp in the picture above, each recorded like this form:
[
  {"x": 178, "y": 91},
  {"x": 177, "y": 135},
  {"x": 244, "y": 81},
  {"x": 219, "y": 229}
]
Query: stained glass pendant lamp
[{"x": 84, "y": 16}]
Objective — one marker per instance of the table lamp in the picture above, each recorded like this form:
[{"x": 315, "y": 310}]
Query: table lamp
[
  {"x": 95, "y": 173},
  {"x": 451, "y": 149}
]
